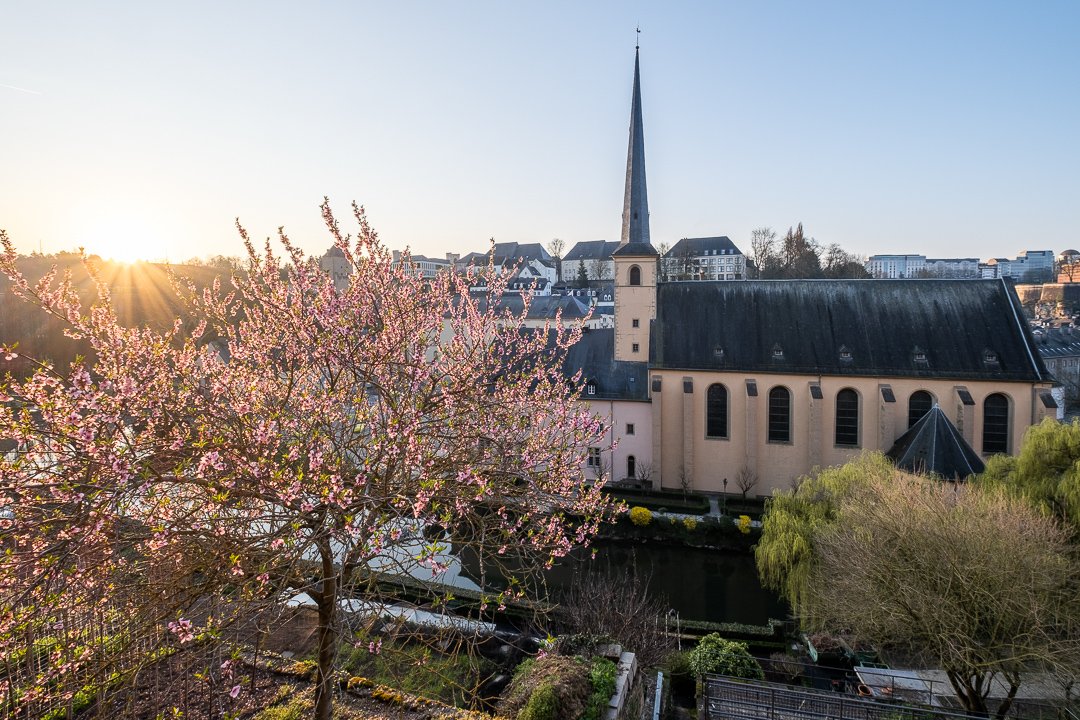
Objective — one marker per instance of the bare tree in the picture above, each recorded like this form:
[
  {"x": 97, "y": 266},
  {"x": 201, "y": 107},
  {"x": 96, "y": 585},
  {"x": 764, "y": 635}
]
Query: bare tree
[
  {"x": 745, "y": 479},
  {"x": 611, "y": 602},
  {"x": 763, "y": 250},
  {"x": 644, "y": 472},
  {"x": 664, "y": 269},
  {"x": 839, "y": 264},
  {"x": 1068, "y": 266},
  {"x": 599, "y": 269},
  {"x": 556, "y": 246},
  {"x": 602, "y": 471},
  {"x": 800, "y": 256},
  {"x": 686, "y": 482}
]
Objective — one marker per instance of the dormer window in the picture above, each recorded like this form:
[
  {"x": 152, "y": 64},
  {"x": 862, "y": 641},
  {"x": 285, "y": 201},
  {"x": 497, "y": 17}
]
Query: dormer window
[
  {"x": 845, "y": 354},
  {"x": 918, "y": 356},
  {"x": 990, "y": 358},
  {"x": 777, "y": 352},
  {"x": 590, "y": 388},
  {"x": 718, "y": 352}
]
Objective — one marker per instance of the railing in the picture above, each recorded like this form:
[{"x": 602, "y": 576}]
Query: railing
[{"x": 731, "y": 699}]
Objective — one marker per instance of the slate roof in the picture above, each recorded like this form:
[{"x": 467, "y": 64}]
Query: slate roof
[
  {"x": 633, "y": 249},
  {"x": 699, "y": 246},
  {"x": 591, "y": 250},
  {"x": 613, "y": 380},
  {"x": 934, "y": 445},
  {"x": 970, "y": 329},
  {"x": 509, "y": 253},
  {"x": 541, "y": 307}
]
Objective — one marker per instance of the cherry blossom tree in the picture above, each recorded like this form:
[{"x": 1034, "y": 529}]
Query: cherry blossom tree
[{"x": 172, "y": 481}]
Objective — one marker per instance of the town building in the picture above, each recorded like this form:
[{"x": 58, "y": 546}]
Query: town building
[
  {"x": 709, "y": 258},
  {"x": 704, "y": 380},
  {"x": 951, "y": 268},
  {"x": 896, "y": 266},
  {"x": 334, "y": 264},
  {"x": 1030, "y": 266},
  {"x": 427, "y": 267},
  {"x": 591, "y": 260}
]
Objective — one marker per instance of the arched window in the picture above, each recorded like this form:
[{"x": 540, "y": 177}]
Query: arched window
[
  {"x": 995, "y": 424},
  {"x": 635, "y": 275},
  {"x": 631, "y": 468},
  {"x": 847, "y": 418},
  {"x": 918, "y": 405},
  {"x": 779, "y": 415},
  {"x": 716, "y": 411}
]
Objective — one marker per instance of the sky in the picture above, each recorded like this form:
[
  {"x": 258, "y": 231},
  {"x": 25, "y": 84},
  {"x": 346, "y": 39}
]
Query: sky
[{"x": 145, "y": 130}]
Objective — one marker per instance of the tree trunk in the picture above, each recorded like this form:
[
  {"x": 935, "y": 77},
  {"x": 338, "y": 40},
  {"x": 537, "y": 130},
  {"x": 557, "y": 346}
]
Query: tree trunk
[
  {"x": 327, "y": 603},
  {"x": 1006, "y": 704},
  {"x": 969, "y": 690}
]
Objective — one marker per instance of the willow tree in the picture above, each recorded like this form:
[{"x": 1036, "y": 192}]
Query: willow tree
[
  {"x": 786, "y": 554},
  {"x": 294, "y": 441},
  {"x": 973, "y": 582},
  {"x": 1046, "y": 472}
]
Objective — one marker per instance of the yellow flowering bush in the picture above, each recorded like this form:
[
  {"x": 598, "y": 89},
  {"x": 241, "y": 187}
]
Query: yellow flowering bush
[
  {"x": 640, "y": 516},
  {"x": 690, "y": 524},
  {"x": 743, "y": 524}
]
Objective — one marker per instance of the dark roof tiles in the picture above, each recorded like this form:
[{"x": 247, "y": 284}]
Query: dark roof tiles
[
  {"x": 905, "y": 328},
  {"x": 634, "y": 249},
  {"x": 610, "y": 379},
  {"x": 591, "y": 250},
  {"x": 700, "y": 246},
  {"x": 934, "y": 445}
]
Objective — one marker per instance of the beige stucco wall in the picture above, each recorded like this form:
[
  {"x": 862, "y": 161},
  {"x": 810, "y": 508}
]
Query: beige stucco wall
[
  {"x": 679, "y": 423},
  {"x": 634, "y": 302},
  {"x": 617, "y": 414}
]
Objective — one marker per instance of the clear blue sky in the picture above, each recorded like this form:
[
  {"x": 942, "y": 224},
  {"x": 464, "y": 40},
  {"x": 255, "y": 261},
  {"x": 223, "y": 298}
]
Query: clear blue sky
[{"x": 942, "y": 128}]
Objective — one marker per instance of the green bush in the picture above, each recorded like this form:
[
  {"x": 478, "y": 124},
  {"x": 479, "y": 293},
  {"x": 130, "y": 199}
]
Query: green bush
[
  {"x": 717, "y": 656},
  {"x": 543, "y": 704},
  {"x": 567, "y": 679},
  {"x": 678, "y": 663},
  {"x": 602, "y": 675}
]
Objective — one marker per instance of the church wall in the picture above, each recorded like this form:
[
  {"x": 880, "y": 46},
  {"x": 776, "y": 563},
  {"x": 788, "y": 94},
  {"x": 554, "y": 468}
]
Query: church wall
[{"x": 686, "y": 451}]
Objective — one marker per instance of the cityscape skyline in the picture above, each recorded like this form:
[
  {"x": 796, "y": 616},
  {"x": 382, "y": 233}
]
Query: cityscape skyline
[{"x": 939, "y": 130}]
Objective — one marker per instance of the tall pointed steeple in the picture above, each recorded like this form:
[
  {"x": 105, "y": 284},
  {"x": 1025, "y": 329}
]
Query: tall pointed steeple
[{"x": 635, "y": 214}]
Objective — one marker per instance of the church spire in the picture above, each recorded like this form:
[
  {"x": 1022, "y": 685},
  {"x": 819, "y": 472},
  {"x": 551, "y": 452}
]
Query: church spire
[{"x": 635, "y": 216}]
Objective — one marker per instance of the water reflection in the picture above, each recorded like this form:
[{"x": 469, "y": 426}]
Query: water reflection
[{"x": 710, "y": 585}]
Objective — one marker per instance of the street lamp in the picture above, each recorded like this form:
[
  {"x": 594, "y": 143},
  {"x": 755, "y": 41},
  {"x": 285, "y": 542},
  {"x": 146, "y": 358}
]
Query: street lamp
[{"x": 725, "y": 496}]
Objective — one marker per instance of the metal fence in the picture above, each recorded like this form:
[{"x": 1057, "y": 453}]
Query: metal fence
[{"x": 727, "y": 699}]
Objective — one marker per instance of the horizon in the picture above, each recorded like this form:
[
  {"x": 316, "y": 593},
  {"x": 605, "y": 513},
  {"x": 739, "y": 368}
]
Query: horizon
[{"x": 944, "y": 131}]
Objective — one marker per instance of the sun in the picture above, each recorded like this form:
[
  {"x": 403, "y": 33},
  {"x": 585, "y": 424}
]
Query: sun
[{"x": 121, "y": 240}]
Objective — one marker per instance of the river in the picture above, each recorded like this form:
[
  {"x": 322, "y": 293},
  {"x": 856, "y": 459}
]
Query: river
[{"x": 699, "y": 584}]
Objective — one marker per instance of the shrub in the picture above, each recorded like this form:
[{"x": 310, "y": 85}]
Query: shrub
[
  {"x": 602, "y": 675},
  {"x": 583, "y": 644},
  {"x": 690, "y": 524},
  {"x": 718, "y": 656},
  {"x": 744, "y": 524},
  {"x": 543, "y": 704},
  {"x": 640, "y": 516},
  {"x": 566, "y": 680}
]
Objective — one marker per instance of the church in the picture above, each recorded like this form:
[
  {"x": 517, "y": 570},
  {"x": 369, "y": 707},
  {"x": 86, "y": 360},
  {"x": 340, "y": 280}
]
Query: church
[{"x": 708, "y": 382}]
